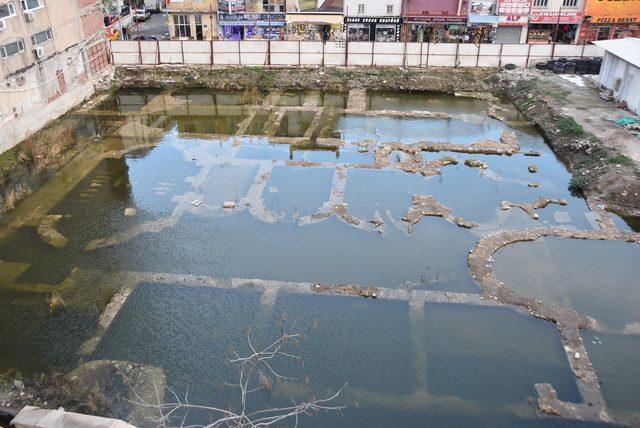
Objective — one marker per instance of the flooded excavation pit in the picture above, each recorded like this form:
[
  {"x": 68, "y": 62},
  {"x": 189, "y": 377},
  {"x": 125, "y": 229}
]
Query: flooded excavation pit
[
  {"x": 598, "y": 279},
  {"x": 430, "y": 363},
  {"x": 365, "y": 217}
]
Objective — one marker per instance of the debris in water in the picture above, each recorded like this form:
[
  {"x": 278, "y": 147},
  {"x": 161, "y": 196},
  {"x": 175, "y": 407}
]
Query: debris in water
[
  {"x": 130, "y": 212},
  {"x": 475, "y": 163},
  {"x": 533, "y": 168},
  {"x": 228, "y": 204}
]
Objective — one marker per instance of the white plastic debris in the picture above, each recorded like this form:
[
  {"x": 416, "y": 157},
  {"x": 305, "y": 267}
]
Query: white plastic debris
[
  {"x": 577, "y": 355},
  {"x": 130, "y": 212},
  {"x": 228, "y": 204}
]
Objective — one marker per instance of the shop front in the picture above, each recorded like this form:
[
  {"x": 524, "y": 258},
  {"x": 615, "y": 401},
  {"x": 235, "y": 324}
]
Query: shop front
[
  {"x": 607, "y": 19},
  {"x": 439, "y": 29},
  {"x": 554, "y": 26},
  {"x": 367, "y": 29},
  {"x": 315, "y": 26},
  {"x": 482, "y": 22},
  {"x": 251, "y": 26},
  {"x": 513, "y": 18}
]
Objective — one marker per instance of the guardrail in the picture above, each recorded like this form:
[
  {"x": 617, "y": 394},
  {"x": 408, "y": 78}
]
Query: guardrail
[{"x": 310, "y": 53}]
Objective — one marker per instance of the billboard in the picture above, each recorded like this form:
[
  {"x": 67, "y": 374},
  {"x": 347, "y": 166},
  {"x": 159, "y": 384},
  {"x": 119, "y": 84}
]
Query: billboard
[
  {"x": 514, "y": 7},
  {"x": 613, "y": 11}
]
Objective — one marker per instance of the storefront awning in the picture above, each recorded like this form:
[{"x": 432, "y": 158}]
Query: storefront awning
[{"x": 315, "y": 18}]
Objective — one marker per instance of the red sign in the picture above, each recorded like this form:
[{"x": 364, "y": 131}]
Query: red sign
[
  {"x": 554, "y": 17},
  {"x": 514, "y": 7},
  {"x": 512, "y": 21}
]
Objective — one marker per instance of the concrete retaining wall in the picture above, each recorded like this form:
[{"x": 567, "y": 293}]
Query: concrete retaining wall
[
  {"x": 35, "y": 417},
  {"x": 308, "y": 53}
]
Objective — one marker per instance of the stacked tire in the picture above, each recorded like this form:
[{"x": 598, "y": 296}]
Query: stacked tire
[{"x": 574, "y": 66}]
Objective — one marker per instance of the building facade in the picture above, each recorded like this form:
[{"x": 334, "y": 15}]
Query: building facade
[
  {"x": 555, "y": 21},
  {"x": 609, "y": 19},
  {"x": 47, "y": 48},
  {"x": 434, "y": 20},
  {"x": 192, "y": 19},
  {"x": 513, "y": 20},
  {"x": 373, "y": 20},
  {"x": 325, "y": 22},
  {"x": 252, "y": 19}
]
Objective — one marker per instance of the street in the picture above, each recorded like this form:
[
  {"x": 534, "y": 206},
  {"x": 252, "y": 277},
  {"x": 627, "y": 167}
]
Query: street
[{"x": 156, "y": 26}]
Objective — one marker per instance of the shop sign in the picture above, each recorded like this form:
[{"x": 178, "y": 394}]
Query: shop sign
[
  {"x": 554, "y": 17},
  {"x": 608, "y": 20},
  {"x": 372, "y": 20},
  {"x": 514, "y": 7},
  {"x": 457, "y": 20},
  {"x": 613, "y": 11},
  {"x": 231, "y": 6},
  {"x": 512, "y": 21},
  {"x": 251, "y": 18}
]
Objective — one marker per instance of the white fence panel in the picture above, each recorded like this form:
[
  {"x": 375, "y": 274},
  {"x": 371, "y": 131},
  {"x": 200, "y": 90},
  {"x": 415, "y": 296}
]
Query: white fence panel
[
  {"x": 334, "y": 53},
  {"x": 311, "y": 53},
  {"x": 125, "y": 52},
  {"x": 388, "y": 54},
  {"x": 307, "y": 53},
  {"x": 197, "y": 52},
  {"x": 414, "y": 54},
  {"x": 255, "y": 52},
  {"x": 171, "y": 52},
  {"x": 285, "y": 53},
  {"x": 226, "y": 53},
  {"x": 149, "y": 52}
]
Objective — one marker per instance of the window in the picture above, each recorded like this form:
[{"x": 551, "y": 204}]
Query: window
[
  {"x": 272, "y": 6},
  {"x": 41, "y": 37},
  {"x": 569, "y": 3},
  {"x": 7, "y": 10},
  {"x": 361, "y": 9},
  {"x": 181, "y": 26},
  {"x": 10, "y": 49},
  {"x": 389, "y": 9},
  {"x": 31, "y": 4},
  {"x": 540, "y": 3}
]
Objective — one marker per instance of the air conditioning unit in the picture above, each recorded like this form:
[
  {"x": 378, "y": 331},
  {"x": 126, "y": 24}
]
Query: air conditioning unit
[
  {"x": 38, "y": 51},
  {"x": 3, "y": 25},
  {"x": 30, "y": 16}
]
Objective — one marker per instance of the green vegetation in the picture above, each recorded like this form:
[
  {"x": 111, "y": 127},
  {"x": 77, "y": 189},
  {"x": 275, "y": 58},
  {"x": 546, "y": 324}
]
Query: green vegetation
[
  {"x": 559, "y": 94},
  {"x": 493, "y": 79},
  {"x": 568, "y": 126},
  {"x": 587, "y": 162},
  {"x": 621, "y": 159},
  {"x": 578, "y": 184}
]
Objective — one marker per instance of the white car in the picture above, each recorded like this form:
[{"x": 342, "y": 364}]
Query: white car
[{"x": 141, "y": 14}]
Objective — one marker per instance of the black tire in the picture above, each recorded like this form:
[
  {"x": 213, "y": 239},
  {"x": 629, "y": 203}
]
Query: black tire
[
  {"x": 510, "y": 67},
  {"x": 570, "y": 67},
  {"x": 541, "y": 65},
  {"x": 558, "y": 67}
]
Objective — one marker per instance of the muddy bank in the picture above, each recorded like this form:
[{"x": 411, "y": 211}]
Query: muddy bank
[
  {"x": 600, "y": 171},
  {"x": 330, "y": 79}
]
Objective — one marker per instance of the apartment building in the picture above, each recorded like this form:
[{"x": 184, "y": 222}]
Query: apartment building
[
  {"x": 253, "y": 19},
  {"x": 47, "y": 47}
]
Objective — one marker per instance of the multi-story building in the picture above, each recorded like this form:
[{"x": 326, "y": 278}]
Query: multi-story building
[
  {"x": 47, "y": 48},
  {"x": 555, "y": 21},
  {"x": 609, "y": 19},
  {"x": 323, "y": 22},
  {"x": 373, "y": 20},
  {"x": 192, "y": 19}
]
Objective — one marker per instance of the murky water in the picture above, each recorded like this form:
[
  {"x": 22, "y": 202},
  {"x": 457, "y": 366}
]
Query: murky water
[{"x": 151, "y": 217}]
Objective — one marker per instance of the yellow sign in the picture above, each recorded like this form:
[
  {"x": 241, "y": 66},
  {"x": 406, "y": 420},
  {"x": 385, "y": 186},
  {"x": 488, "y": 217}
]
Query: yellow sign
[{"x": 613, "y": 11}]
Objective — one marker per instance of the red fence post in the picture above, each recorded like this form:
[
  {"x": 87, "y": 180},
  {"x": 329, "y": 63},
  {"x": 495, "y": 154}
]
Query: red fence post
[
  {"x": 299, "y": 54},
  {"x": 346, "y": 53},
  {"x": 158, "y": 52},
  {"x": 404, "y": 58},
  {"x": 526, "y": 65},
  {"x": 500, "y": 56},
  {"x": 323, "y": 43},
  {"x": 182, "y": 50},
  {"x": 211, "y": 52},
  {"x": 455, "y": 62},
  {"x": 428, "y": 50},
  {"x": 139, "y": 53}
]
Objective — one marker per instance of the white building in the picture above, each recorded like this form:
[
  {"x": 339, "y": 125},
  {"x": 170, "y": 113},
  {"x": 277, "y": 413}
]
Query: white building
[
  {"x": 620, "y": 70},
  {"x": 373, "y": 20}
]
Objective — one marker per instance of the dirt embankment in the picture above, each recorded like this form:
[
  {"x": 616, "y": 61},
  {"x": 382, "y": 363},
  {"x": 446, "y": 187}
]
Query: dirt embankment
[
  {"x": 329, "y": 79},
  {"x": 600, "y": 171}
]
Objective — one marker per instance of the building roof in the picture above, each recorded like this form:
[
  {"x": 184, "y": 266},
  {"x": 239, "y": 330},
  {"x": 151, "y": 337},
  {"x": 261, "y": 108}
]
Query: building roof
[
  {"x": 332, "y": 6},
  {"x": 628, "y": 49}
]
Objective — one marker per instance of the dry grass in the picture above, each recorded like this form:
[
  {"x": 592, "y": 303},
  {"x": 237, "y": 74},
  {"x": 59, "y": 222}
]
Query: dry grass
[
  {"x": 13, "y": 197},
  {"x": 44, "y": 148}
]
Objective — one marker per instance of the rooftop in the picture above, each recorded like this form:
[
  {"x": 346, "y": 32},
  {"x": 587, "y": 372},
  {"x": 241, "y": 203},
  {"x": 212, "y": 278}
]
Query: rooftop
[{"x": 628, "y": 49}]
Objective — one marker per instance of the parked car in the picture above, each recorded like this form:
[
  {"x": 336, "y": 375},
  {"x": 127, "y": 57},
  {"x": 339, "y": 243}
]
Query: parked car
[
  {"x": 125, "y": 10},
  {"x": 153, "y": 38},
  {"x": 141, "y": 14}
]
